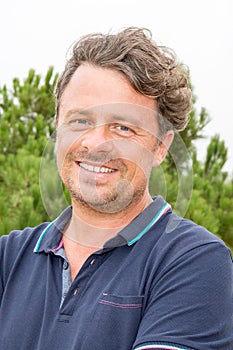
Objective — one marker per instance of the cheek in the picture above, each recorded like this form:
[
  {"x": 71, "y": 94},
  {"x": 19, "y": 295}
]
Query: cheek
[
  {"x": 138, "y": 154},
  {"x": 66, "y": 143},
  {"x": 138, "y": 158},
  {"x": 133, "y": 150},
  {"x": 61, "y": 152}
]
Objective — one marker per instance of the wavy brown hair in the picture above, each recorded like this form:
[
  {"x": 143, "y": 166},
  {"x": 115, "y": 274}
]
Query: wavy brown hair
[{"x": 151, "y": 69}]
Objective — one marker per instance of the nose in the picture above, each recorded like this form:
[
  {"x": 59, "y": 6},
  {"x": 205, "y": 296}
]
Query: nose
[{"x": 97, "y": 139}]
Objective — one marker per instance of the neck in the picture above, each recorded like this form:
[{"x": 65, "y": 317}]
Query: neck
[{"x": 91, "y": 228}]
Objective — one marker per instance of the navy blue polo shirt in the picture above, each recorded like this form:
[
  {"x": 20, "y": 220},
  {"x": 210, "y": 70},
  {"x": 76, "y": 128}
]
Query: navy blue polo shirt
[{"x": 163, "y": 282}]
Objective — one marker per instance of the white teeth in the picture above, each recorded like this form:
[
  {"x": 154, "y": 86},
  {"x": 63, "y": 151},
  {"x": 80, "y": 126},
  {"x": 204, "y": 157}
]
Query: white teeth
[{"x": 96, "y": 169}]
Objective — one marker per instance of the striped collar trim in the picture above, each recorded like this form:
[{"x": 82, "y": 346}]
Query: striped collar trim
[
  {"x": 159, "y": 214},
  {"x": 38, "y": 244},
  {"x": 134, "y": 231},
  {"x": 141, "y": 224}
]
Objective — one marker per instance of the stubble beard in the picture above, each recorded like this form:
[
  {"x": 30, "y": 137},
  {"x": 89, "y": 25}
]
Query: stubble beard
[{"x": 113, "y": 200}]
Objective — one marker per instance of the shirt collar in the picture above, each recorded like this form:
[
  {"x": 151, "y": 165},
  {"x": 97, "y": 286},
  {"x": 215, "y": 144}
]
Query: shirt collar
[{"x": 51, "y": 236}]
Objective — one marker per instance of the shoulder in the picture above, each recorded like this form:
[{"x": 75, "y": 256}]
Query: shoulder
[
  {"x": 28, "y": 233},
  {"x": 178, "y": 229},
  {"x": 189, "y": 235},
  {"x": 175, "y": 238},
  {"x": 18, "y": 241}
]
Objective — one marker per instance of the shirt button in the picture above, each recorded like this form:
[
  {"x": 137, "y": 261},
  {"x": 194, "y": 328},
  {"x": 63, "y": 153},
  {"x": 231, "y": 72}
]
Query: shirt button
[
  {"x": 75, "y": 291},
  {"x": 65, "y": 265},
  {"x": 92, "y": 261}
]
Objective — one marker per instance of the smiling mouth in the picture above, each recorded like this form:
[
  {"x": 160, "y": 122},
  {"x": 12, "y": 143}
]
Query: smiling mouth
[{"x": 96, "y": 169}]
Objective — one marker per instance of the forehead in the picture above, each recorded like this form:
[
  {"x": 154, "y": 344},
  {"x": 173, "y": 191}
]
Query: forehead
[{"x": 94, "y": 86}]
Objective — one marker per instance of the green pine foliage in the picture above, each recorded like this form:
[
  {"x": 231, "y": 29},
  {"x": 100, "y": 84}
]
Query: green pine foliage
[
  {"x": 26, "y": 123},
  {"x": 200, "y": 191}
]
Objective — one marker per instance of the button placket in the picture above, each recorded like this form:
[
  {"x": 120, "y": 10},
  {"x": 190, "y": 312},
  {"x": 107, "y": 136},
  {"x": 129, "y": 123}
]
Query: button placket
[{"x": 65, "y": 265}]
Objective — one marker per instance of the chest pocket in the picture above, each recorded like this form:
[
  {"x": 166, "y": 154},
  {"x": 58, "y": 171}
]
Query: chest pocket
[{"x": 115, "y": 322}]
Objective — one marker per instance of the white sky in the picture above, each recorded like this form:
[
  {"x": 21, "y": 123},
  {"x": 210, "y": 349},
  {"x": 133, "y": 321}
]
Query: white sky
[{"x": 37, "y": 34}]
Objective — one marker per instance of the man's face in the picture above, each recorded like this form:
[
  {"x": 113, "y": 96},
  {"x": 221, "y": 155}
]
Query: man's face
[{"x": 106, "y": 140}]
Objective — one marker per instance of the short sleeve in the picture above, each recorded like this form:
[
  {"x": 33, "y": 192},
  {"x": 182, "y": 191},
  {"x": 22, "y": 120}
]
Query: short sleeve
[{"x": 190, "y": 305}]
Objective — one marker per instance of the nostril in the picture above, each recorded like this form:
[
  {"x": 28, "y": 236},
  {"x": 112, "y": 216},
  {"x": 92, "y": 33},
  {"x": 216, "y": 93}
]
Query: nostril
[{"x": 97, "y": 142}]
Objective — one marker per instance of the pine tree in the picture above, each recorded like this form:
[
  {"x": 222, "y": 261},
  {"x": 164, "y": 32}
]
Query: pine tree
[{"x": 26, "y": 122}]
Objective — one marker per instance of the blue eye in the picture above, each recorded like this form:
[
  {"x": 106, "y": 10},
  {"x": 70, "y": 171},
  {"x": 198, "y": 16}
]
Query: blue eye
[
  {"x": 80, "y": 121},
  {"x": 123, "y": 128}
]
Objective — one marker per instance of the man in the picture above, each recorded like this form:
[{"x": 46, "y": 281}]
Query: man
[{"x": 107, "y": 273}]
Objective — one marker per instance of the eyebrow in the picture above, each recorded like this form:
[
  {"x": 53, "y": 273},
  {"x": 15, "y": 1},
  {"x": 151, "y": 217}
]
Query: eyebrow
[{"x": 72, "y": 112}]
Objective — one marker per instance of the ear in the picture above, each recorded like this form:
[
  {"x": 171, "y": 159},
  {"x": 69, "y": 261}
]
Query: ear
[{"x": 162, "y": 149}]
